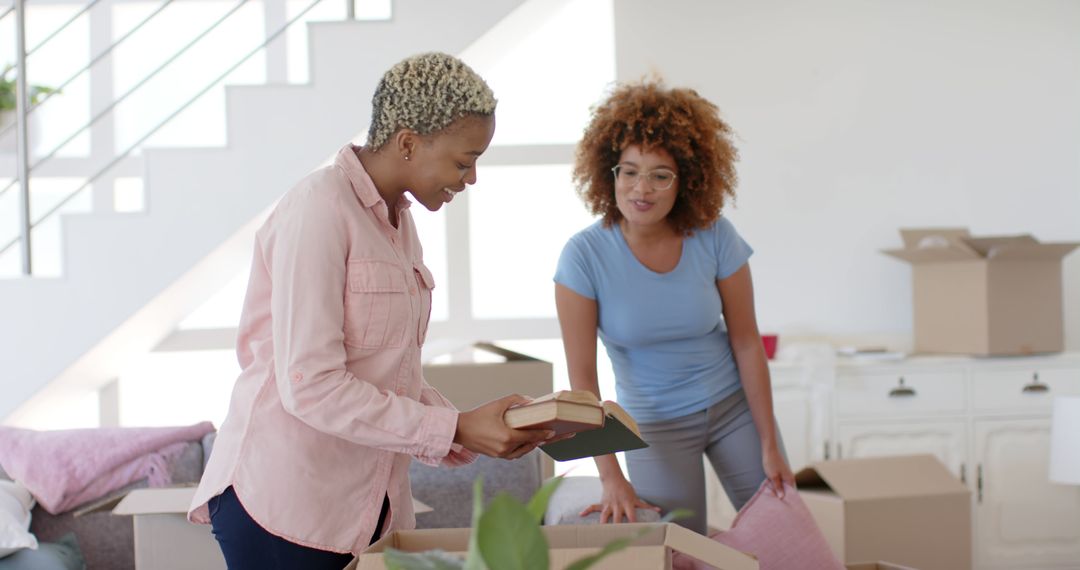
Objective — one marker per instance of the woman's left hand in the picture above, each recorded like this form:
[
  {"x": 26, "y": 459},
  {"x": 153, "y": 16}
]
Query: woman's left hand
[{"x": 777, "y": 470}]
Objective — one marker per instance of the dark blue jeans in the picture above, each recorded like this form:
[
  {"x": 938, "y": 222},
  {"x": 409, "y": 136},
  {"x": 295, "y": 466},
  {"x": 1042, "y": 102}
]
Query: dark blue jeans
[{"x": 246, "y": 545}]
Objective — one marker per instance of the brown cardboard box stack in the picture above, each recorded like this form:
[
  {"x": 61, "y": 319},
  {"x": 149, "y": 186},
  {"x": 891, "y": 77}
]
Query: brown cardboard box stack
[
  {"x": 904, "y": 509},
  {"x": 998, "y": 295}
]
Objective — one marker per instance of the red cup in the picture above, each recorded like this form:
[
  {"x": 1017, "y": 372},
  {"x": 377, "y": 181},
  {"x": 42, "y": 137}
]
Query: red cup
[{"x": 769, "y": 340}]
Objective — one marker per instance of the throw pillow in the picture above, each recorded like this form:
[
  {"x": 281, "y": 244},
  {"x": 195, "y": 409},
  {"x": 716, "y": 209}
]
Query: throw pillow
[
  {"x": 15, "y": 505},
  {"x": 781, "y": 533},
  {"x": 61, "y": 555}
]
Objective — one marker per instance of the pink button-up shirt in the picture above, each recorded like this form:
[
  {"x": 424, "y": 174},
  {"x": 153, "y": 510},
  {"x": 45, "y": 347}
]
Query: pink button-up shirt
[{"x": 331, "y": 404}]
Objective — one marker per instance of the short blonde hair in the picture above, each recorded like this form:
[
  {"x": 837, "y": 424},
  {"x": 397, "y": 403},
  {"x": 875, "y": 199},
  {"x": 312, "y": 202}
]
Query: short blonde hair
[{"x": 425, "y": 93}]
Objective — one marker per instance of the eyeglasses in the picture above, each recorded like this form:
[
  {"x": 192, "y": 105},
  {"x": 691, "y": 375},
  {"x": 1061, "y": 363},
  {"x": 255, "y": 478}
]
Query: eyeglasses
[{"x": 627, "y": 176}]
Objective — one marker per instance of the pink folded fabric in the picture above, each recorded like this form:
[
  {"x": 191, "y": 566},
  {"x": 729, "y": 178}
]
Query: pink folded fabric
[
  {"x": 781, "y": 533},
  {"x": 64, "y": 469}
]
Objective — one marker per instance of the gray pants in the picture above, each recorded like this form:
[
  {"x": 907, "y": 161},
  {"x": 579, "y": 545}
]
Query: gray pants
[{"x": 670, "y": 473}]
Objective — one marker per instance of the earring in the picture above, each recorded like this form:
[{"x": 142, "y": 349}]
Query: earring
[{"x": 406, "y": 157}]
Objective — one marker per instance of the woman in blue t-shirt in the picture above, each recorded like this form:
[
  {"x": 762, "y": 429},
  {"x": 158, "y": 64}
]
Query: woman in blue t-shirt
[{"x": 664, "y": 280}]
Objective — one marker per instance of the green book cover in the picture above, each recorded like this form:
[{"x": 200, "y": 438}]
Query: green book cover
[{"x": 613, "y": 437}]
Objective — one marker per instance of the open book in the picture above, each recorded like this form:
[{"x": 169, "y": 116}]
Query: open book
[{"x": 600, "y": 428}]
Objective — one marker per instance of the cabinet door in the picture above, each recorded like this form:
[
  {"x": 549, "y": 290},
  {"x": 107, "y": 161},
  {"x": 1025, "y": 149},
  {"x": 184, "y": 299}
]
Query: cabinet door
[
  {"x": 799, "y": 424},
  {"x": 944, "y": 439},
  {"x": 1022, "y": 520}
]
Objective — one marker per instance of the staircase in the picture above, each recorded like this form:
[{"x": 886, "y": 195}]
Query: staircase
[{"x": 130, "y": 278}]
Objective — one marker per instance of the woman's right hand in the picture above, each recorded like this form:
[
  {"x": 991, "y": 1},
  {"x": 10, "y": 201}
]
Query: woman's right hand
[
  {"x": 483, "y": 430},
  {"x": 619, "y": 500}
]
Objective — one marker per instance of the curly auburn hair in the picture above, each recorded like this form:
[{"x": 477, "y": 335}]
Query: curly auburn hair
[{"x": 652, "y": 116}]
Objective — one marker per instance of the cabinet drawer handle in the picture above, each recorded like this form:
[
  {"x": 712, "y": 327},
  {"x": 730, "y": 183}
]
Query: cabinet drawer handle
[
  {"x": 979, "y": 482},
  {"x": 902, "y": 391},
  {"x": 1035, "y": 387}
]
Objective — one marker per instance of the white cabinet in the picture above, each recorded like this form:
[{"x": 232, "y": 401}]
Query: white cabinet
[
  {"x": 986, "y": 419},
  {"x": 1022, "y": 520}
]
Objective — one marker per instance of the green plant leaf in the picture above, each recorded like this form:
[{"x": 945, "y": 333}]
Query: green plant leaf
[
  {"x": 539, "y": 502},
  {"x": 429, "y": 560},
  {"x": 473, "y": 559},
  {"x": 510, "y": 537},
  {"x": 621, "y": 543},
  {"x": 34, "y": 93}
]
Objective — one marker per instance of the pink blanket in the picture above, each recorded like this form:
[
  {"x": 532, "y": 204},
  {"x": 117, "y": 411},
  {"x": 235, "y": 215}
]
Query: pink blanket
[
  {"x": 64, "y": 469},
  {"x": 781, "y": 533}
]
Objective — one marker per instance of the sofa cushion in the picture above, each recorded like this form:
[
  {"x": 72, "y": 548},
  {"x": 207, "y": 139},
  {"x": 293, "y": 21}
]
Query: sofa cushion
[
  {"x": 15, "y": 505},
  {"x": 574, "y": 495},
  {"x": 207, "y": 447},
  {"x": 61, "y": 555},
  {"x": 449, "y": 491}
]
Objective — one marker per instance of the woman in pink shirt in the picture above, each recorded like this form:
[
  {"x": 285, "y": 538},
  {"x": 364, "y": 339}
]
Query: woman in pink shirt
[{"x": 311, "y": 463}]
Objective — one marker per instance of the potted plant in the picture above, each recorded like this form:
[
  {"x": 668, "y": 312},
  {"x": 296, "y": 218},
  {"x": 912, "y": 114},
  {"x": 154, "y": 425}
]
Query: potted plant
[
  {"x": 506, "y": 535},
  {"x": 35, "y": 93}
]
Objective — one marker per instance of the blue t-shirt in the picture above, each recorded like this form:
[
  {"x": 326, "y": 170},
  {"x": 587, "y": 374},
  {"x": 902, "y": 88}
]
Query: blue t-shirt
[{"x": 664, "y": 332}]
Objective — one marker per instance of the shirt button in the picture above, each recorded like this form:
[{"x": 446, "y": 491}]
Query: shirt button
[
  {"x": 297, "y": 376},
  {"x": 412, "y": 290},
  {"x": 399, "y": 391}
]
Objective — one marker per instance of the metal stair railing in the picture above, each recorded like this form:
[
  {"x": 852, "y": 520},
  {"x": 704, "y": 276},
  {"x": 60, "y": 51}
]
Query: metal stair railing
[
  {"x": 28, "y": 225},
  {"x": 108, "y": 108},
  {"x": 59, "y": 29},
  {"x": 84, "y": 69}
]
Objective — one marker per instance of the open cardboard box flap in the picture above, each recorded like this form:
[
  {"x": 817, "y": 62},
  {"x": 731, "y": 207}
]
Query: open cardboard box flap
[
  {"x": 571, "y": 542},
  {"x": 923, "y": 238},
  {"x": 932, "y": 245},
  {"x": 156, "y": 501},
  {"x": 878, "y": 478}
]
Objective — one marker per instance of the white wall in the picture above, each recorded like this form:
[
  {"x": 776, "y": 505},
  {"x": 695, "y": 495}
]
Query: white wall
[{"x": 856, "y": 117}]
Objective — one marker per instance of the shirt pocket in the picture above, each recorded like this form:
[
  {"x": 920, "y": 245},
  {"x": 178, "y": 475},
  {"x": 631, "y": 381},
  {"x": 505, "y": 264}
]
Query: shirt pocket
[
  {"x": 425, "y": 283},
  {"x": 376, "y": 304}
]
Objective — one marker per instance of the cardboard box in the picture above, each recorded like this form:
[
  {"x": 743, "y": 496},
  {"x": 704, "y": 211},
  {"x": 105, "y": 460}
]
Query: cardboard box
[
  {"x": 164, "y": 539},
  {"x": 482, "y": 372},
  {"x": 998, "y": 295},
  {"x": 479, "y": 373},
  {"x": 906, "y": 509},
  {"x": 572, "y": 542}
]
